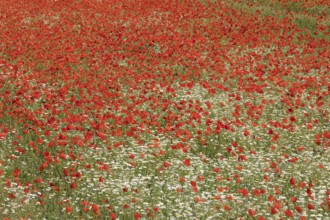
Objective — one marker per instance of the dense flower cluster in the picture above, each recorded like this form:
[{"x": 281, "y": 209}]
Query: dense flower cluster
[{"x": 164, "y": 109}]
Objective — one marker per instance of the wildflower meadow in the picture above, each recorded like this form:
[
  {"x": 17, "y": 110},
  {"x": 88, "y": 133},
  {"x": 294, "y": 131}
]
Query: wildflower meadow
[{"x": 171, "y": 109}]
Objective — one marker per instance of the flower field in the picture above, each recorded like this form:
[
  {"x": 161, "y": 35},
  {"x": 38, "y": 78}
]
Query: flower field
[{"x": 172, "y": 109}]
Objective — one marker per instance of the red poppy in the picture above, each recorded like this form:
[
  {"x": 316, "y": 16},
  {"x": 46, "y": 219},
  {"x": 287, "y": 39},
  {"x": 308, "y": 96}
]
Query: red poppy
[
  {"x": 186, "y": 162},
  {"x": 244, "y": 192},
  {"x": 310, "y": 206},
  {"x": 298, "y": 209},
  {"x": 112, "y": 216},
  {"x": 17, "y": 172},
  {"x": 227, "y": 208},
  {"x": 95, "y": 208},
  {"x": 38, "y": 180},
  {"x": 288, "y": 213},
  {"x": 293, "y": 182},
  {"x": 68, "y": 209},
  {"x": 252, "y": 212},
  {"x": 137, "y": 215},
  {"x": 166, "y": 164}
]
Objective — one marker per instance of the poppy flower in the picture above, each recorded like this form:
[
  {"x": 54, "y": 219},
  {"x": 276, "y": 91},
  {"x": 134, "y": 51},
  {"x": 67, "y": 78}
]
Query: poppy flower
[
  {"x": 310, "y": 206},
  {"x": 112, "y": 216},
  {"x": 288, "y": 213},
  {"x": 186, "y": 162},
  {"x": 137, "y": 215},
  {"x": 252, "y": 212},
  {"x": 68, "y": 209},
  {"x": 38, "y": 180},
  {"x": 166, "y": 164}
]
